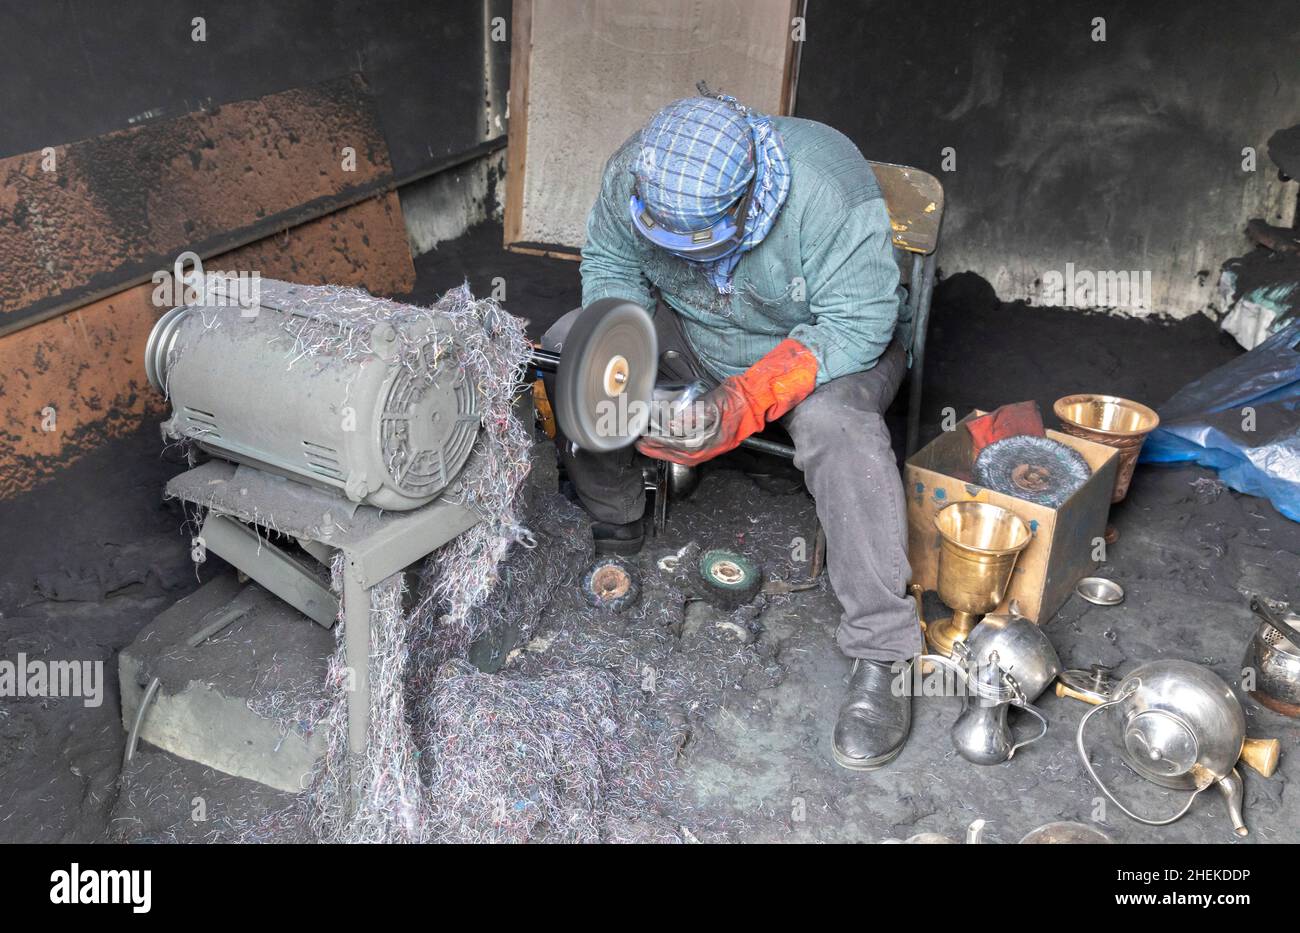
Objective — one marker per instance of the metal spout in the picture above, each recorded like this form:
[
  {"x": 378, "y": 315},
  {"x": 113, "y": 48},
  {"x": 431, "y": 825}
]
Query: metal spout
[{"x": 1233, "y": 791}]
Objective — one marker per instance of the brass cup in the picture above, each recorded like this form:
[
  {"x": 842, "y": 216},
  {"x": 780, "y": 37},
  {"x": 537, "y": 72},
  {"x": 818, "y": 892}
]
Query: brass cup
[
  {"x": 978, "y": 550},
  {"x": 1115, "y": 422}
]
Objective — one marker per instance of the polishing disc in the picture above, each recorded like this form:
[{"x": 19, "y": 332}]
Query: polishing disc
[
  {"x": 728, "y": 579},
  {"x": 1036, "y": 469},
  {"x": 606, "y": 375},
  {"x": 610, "y": 584}
]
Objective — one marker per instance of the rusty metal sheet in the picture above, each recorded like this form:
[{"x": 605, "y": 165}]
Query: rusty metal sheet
[
  {"x": 72, "y": 382},
  {"x": 116, "y": 208},
  {"x": 363, "y": 245}
]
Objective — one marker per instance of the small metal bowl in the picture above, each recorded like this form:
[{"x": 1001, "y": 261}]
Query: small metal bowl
[
  {"x": 1065, "y": 832},
  {"x": 1100, "y": 591}
]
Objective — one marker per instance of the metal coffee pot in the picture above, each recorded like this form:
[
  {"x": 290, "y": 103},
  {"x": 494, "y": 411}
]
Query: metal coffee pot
[
  {"x": 982, "y": 735},
  {"x": 1006, "y": 661},
  {"x": 1177, "y": 724}
]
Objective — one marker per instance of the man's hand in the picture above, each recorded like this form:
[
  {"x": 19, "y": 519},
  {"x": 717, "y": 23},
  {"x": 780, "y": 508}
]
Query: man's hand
[{"x": 719, "y": 420}]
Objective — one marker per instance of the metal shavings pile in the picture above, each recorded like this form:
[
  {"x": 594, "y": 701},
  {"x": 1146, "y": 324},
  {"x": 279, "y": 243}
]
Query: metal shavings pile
[
  {"x": 296, "y": 706},
  {"x": 682, "y": 664},
  {"x": 563, "y": 767},
  {"x": 528, "y": 753},
  {"x": 449, "y": 748},
  {"x": 490, "y": 348},
  {"x": 530, "y": 577},
  {"x": 343, "y": 323},
  {"x": 1207, "y": 488},
  {"x": 392, "y": 805}
]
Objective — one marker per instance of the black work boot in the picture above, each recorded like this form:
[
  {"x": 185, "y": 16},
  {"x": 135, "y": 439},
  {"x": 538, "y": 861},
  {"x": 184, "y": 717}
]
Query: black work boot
[
  {"x": 618, "y": 540},
  {"x": 874, "y": 721}
]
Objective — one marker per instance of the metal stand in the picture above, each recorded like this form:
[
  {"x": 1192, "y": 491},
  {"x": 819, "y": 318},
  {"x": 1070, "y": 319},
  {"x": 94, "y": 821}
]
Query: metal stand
[
  {"x": 920, "y": 291},
  {"x": 243, "y": 503}
]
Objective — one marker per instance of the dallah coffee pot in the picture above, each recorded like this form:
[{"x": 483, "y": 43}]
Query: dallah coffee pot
[
  {"x": 982, "y": 735},
  {"x": 1005, "y": 661}
]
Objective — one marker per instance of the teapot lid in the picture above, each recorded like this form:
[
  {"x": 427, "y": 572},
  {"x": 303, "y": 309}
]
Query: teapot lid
[{"x": 1160, "y": 744}]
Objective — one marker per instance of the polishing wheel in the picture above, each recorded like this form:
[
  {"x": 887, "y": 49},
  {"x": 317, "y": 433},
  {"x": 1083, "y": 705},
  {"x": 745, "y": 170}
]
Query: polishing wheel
[
  {"x": 1036, "y": 469},
  {"x": 606, "y": 375}
]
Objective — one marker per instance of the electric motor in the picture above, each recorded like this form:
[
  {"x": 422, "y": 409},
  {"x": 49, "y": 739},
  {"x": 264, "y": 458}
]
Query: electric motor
[{"x": 375, "y": 407}]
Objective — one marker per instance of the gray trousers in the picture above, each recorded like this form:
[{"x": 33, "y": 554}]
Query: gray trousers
[{"x": 842, "y": 446}]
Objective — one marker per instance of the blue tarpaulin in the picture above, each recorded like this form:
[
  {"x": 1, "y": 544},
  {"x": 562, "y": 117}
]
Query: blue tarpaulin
[{"x": 1243, "y": 420}]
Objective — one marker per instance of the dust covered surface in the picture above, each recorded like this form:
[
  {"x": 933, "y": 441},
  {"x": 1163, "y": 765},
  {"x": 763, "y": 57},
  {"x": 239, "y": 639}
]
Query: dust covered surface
[
  {"x": 265, "y": 655},
  {"x": 85, "y": 562},
  {"x": 722, "y": 721}
]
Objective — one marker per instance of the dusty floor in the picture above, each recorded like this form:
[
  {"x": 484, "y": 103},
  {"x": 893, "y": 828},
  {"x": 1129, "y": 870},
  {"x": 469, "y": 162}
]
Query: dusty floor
[{"x": 747, "y": 706}]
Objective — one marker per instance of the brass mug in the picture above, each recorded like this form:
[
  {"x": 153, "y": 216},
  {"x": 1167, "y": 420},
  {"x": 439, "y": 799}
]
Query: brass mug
[
  {"x": 979, "y": 546},
  {"x": 1113, "y": 421}
]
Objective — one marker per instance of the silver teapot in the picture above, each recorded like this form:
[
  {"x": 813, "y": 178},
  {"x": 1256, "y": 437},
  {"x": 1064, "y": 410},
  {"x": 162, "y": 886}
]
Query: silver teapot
[
  {"x": 1179, "y": 725},
  {"x": 1023, "y": 650}
]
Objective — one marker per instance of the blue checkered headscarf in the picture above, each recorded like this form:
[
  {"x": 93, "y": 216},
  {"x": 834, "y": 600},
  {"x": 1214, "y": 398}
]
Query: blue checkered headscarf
[{"x": 698, "y": 156}]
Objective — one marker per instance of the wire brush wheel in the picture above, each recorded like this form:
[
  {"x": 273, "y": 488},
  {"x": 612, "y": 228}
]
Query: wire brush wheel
[
  {"x": 728, "y": 579},
  {"x": 1036, "y": 469}
]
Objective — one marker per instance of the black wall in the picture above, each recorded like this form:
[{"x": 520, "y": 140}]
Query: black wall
[
  {"x": 1117, "y": 155},
  {"x": 73, "y": 69}
]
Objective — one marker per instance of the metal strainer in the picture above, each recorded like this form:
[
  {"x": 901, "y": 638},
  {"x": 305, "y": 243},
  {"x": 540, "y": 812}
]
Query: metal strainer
[{"x": 1273, "y": 660}]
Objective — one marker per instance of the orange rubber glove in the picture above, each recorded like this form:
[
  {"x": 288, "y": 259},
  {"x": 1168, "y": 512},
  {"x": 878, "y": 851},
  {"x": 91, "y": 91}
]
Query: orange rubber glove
[{"x": 719, "y": 420}]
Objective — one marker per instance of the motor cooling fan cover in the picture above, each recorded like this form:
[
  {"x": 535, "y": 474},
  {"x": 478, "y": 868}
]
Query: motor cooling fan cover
[{"x": 1036, "y": 469}]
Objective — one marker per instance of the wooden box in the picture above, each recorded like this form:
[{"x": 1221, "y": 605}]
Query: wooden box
[{"x": 1065, "y": 540}]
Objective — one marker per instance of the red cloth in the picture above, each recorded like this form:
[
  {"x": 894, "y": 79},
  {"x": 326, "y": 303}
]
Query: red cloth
[
  {"x": 764, "y": 392},
  {"x": 1012, "y": 420}
]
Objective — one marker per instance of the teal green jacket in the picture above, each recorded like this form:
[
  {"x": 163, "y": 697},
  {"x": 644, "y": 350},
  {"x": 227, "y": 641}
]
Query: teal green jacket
[{"x": 824, "y": 275}]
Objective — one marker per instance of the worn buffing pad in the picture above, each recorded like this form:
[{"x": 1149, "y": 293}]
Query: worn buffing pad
[
  {"x": 611, "y": 584},
  {"x": 1036, "y": 469},
  {"x": 728, "y": 579}
]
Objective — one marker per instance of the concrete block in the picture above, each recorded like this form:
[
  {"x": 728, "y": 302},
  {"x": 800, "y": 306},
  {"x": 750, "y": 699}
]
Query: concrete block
[{"x": 246, "y": 701}]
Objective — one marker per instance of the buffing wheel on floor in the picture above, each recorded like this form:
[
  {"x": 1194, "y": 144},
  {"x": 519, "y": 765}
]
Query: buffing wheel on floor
[
  {"x": 606, "y": 375},
  {"x": 728, "y": 579},
  {"x": 610, "y": 584}
]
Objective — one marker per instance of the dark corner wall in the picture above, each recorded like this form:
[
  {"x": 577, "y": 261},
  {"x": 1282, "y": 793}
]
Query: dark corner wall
[
  {"x": 273, "y": 137},
  {"x": 1117, "y": 155}
]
